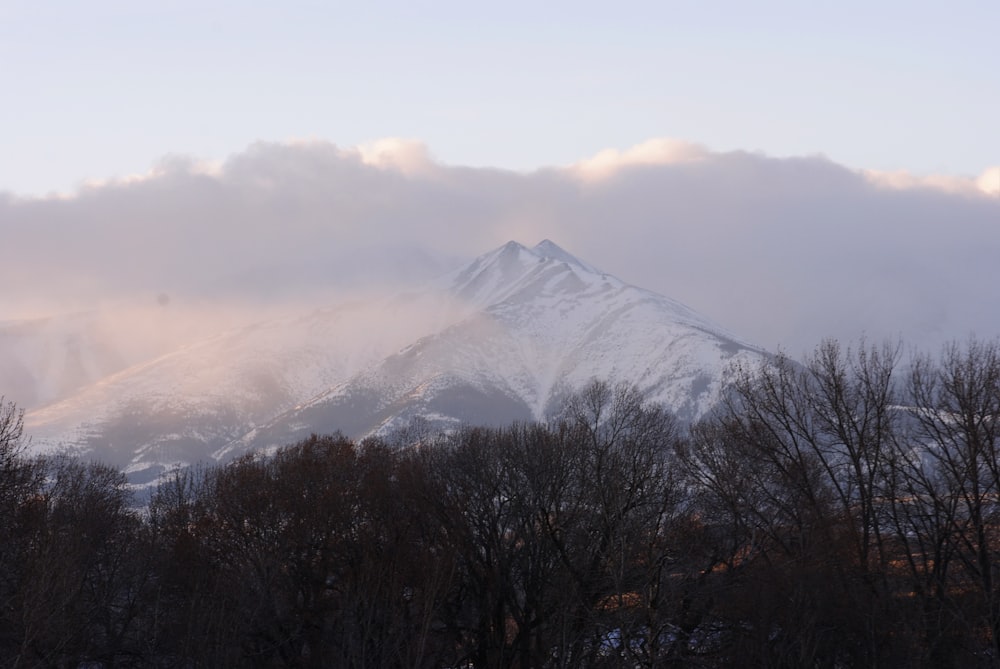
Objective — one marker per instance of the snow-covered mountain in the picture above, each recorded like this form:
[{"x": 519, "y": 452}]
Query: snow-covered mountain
[{"x": 505, "y": 338}]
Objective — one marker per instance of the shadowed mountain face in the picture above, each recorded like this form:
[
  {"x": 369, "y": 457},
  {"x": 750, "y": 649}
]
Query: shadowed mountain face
[{"x": 505, "y": 338}]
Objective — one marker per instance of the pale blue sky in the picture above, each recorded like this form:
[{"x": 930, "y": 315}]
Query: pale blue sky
[{"x": 101, "y": 89}]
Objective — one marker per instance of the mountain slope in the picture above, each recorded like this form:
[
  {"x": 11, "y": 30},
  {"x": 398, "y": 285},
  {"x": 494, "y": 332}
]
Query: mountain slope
[
  {"x": 178, "y": 408},
  {"x": 507, "y": 337},
  {"x": 541, "y": 325}
]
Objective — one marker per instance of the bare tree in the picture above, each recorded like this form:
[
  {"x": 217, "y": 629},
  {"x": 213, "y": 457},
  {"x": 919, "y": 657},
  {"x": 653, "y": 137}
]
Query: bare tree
[
  {"x": 11, "y": 430},
  {"x": 21, "y": 485},
  {"x": 955, "y": 475},
  {"x": 629, "y": 498},
  {"x": 794, "y": 466}
]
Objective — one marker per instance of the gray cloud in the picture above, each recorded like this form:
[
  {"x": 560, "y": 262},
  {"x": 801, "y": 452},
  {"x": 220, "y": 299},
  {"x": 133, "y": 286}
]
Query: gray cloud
[{"x": 782, "y": 251}]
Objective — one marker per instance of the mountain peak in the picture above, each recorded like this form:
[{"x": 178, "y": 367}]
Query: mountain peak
[
  {"x": 549, "y": 249},
  {"x": 494, "y": 275},
  {"x": 546, "y": 249}
]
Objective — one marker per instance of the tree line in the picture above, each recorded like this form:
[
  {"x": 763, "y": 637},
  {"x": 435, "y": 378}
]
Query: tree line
[{"x": 841, "y": 512}]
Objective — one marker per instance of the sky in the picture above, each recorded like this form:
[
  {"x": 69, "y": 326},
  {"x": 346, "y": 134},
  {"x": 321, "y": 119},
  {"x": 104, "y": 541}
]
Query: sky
[
  {"x": 791, "y": 170},
  {"x": 106, "y": 88}
]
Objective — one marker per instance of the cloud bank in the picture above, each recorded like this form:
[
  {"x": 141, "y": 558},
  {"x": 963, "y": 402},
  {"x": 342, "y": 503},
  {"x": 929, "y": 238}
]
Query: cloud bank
[{"x": 782, "y": 251}]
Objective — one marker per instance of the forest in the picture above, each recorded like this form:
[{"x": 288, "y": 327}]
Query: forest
[{"x": 843, "y": 511}]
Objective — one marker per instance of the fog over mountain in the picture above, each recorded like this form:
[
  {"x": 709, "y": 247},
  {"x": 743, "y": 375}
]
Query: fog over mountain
[{"x": 783, "y": 251}]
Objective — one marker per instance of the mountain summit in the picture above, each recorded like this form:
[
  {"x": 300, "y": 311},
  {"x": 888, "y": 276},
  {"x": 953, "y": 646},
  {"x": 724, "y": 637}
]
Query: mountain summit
[{"x": 506, "y": 337}]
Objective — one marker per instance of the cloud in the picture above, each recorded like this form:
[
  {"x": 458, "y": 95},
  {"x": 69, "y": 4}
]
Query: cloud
[
  {"x": 407, "y": 156},
  {"x": 988, "y": 183},
  {"x": 661, "y": 151},
  {"x": 782, "y": 251}
]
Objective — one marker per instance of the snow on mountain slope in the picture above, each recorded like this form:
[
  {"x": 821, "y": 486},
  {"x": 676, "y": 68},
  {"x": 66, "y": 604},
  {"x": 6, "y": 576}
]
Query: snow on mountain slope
[
  {"x": 505, "y": 338},
  {"x": 540, "y": 325},
  {"x": 178, "y": 408}
]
